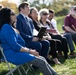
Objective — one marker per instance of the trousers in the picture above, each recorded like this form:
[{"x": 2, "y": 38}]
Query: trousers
[{"x": 43, "y": 66}]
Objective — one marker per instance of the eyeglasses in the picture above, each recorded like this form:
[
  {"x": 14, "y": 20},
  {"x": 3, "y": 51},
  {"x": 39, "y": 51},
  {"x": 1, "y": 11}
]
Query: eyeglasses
[{"x": 12, "y": 14}]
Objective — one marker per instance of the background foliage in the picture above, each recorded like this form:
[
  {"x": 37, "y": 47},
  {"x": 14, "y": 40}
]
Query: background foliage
[{"x": 61, "y": 7}]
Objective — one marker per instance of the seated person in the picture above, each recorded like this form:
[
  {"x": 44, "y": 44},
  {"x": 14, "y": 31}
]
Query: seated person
[
  {"x": 66, "y": 35},
  {"x": 26, "y": 27},
  {"x": 70, "y": 23},
  {"x": 14, "y": 47},
  {"x": 53, "y": 33}
]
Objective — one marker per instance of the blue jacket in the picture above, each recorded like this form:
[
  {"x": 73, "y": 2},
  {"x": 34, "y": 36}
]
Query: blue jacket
[
  {"x": 25, "y": 28},
  {"x": 12, "y": 43}
]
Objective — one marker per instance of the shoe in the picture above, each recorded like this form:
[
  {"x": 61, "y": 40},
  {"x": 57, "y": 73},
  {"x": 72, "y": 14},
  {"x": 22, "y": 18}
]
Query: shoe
[
  {"x": 73, "y": 54},
  {"x": 56, "y": 61}
]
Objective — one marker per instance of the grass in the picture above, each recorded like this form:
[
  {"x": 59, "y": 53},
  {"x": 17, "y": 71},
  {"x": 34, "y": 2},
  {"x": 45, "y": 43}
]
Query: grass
[
  {"x": 60, "y": 22},
  {"x": 68, "y": 67}
]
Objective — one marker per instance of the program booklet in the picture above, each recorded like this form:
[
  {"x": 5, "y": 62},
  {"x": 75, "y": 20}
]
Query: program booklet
[{"x": 41, "y": 32}]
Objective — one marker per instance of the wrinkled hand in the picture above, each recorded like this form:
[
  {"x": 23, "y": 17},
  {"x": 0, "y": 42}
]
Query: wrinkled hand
[{"x": 34, "y": 52}]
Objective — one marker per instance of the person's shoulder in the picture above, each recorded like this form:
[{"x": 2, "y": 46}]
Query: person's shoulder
[
  {"x": 67, "y": 16},
  {"x": 18, "y": 16},
  {"x": 53, "y": 20},
  {"x": 6, "y": 26}
]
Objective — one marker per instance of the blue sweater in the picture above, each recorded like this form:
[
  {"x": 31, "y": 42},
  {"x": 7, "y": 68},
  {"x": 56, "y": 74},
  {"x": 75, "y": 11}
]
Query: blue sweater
[{"x": 12, "y": 43}]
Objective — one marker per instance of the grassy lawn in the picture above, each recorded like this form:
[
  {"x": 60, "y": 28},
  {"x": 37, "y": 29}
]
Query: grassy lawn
[
  {"x": 60, "y": 22},
  {"x": 68, "y": 67}
]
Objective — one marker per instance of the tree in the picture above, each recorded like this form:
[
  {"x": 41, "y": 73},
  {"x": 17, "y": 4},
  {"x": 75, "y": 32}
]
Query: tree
[
  {"x": 61, "y": 7},
  {"x": 10, "y": 5},
  {"x": 23, "y": 0}
]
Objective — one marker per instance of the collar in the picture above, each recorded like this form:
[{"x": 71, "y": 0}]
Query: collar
[{"x": 23, "y": 15}]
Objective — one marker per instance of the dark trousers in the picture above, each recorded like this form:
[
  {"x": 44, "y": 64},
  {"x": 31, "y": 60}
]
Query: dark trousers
[
  {"x": 64, "y": 43},
  {"x": 45, "y": 48},
  {"x": 69, "y": 41},
  {"x": 41, "y": 46},
  {"x": 55, "y": 45},
  {"x": 73, "y": 36}
]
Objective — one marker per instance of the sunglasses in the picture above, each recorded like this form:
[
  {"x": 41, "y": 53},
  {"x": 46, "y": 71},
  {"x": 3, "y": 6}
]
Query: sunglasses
[
  {"x": 12, "y": 14},
  {"x": 45, "y": 13}
]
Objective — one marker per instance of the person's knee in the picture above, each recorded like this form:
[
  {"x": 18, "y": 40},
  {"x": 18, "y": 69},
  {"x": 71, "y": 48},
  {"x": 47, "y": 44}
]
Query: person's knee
[
  {"x": 64, "y": 39},
  {"x": 39, "y": 47},
  {"x": 42, "y": 61},
  {"x": 47, "y": 43},
  {"x": 67, "y": 36}
]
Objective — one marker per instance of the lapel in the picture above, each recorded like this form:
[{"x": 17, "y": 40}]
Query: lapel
[{"x": 27, "y": 23}]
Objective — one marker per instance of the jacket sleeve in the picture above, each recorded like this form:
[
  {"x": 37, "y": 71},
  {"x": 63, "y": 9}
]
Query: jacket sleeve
[
  {"x": 8, "y": 34},
  {"x": 19, "y": 27}
]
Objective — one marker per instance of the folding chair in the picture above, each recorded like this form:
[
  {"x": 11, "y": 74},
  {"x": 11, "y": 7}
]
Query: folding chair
[{"x": 11, "y": 70}]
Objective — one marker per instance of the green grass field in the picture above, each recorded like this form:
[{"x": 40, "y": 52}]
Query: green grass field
[
  {"x": 60, "y": 22},
  {"x": 68, "y": 67}
]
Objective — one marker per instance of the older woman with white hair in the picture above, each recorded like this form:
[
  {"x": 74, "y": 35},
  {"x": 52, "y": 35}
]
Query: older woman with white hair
[{"x": 43, "y": 20}]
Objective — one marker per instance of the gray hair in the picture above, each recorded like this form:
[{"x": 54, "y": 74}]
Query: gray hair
[{"x": 42, "y": 11}]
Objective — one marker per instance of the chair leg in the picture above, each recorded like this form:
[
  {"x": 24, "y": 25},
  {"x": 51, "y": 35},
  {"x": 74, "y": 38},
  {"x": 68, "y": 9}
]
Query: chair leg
[
  {"x": 19, "y": 71},
  {"x": 10, "y": 70},
  {"x": 9, "y": 73},
  {"x": 9, "y": 67},
  {"x": 24, "y": 70},
  {"x": 31, "y": 68}
]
